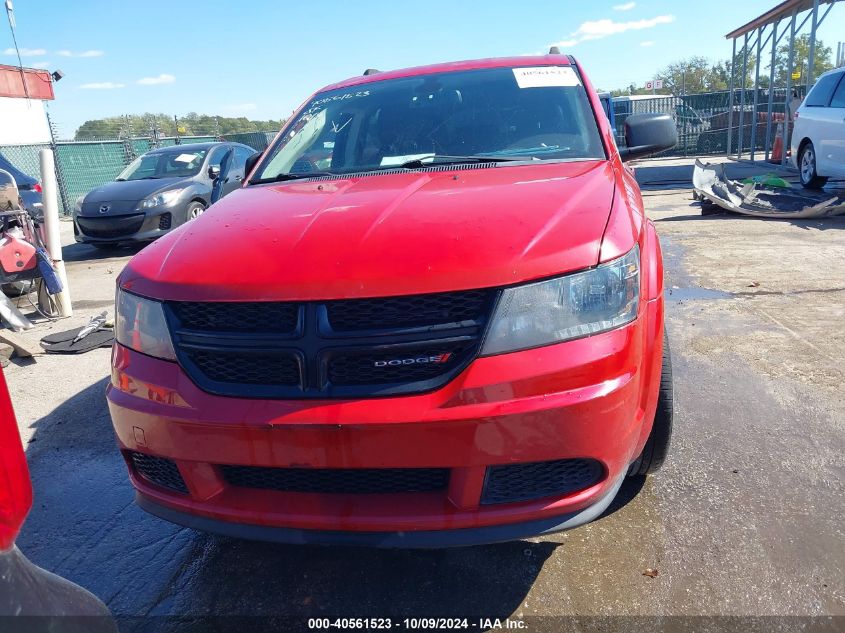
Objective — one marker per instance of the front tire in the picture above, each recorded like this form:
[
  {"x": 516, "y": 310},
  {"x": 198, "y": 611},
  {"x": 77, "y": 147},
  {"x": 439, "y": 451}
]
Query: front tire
[
  {"x": 195, "y": 210},
  {"x": 657, "y": 446},
  {"x": 807, "y": 168}
]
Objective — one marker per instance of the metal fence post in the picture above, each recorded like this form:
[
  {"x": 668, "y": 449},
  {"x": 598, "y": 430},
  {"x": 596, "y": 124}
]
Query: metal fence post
[
  {"x": 771, "y": 90},
  {"x": 60, "y": 180},
  {"x": 754, "y": 118},
  {"x": 731, "y": 100},
  {"x": 739, "y": 139},
  {"x": 812, "y": 52},
  {"x": 787, "y": 124}
]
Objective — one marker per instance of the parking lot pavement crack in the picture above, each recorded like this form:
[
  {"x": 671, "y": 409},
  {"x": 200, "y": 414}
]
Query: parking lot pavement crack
[
  {"x": 795, "y": 334},
  {"x": 786, "y": 293}
]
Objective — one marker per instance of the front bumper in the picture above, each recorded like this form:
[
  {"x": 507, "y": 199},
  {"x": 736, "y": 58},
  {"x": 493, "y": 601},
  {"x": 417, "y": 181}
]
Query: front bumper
[{"x": 590, "y": 398}]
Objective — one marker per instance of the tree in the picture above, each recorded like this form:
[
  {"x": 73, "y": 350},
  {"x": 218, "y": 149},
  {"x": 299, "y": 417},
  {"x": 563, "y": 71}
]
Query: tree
[
  {"x": 686, "y": 76},
  {"x": 192, "y": 124},
  {"x": 822, "y": 59}
]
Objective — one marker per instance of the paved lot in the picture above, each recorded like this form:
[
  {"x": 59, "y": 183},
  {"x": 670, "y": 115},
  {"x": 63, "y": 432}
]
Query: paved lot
[{"x": 745, "y": 519}]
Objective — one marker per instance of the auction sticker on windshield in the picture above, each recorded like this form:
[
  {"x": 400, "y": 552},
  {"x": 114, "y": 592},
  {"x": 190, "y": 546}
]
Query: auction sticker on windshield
[{"x": 546, "y": 77}]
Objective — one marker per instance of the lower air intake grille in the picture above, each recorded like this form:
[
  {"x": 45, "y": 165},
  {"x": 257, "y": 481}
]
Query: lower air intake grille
[
  {"x": 159, "y": 471},
  {"x": 164, "y": 221},
  {"x": 522, "y": 482},
  {"x": 108, "y": 227},
  {"x": 338, "y": 480}
]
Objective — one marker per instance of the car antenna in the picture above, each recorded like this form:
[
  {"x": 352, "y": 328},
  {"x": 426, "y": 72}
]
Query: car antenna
[
  {"x": 371, "y": 71},
  {"x": 554, "y": 50}
]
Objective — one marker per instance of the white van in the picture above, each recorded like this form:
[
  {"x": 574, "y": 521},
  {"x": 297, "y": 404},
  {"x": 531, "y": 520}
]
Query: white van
[{"x": 818, "y": 138}]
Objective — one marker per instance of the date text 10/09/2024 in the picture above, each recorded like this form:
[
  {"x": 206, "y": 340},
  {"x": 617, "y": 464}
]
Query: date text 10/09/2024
[{"x": 412, "y": 624}]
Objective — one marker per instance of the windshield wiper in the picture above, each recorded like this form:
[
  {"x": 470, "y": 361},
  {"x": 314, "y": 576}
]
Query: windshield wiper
[
  {"x": 282, "y": 177},
  {"x": 443, "y": 159}
]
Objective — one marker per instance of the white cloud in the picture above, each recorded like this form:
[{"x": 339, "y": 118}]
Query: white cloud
[
  {"x": 240, "y": 107},
  {"x": 41, "y": 65},
  {"x": 598, "y": 29},
  {"x": 89, "y": 53},
  {"x": 163, "y": 78},
  {"x": 26, "y": 52},
  {"x": 102, "y": 85},
  {"x": 647, "y": 43},
  {"x": 624, "y": 7}
]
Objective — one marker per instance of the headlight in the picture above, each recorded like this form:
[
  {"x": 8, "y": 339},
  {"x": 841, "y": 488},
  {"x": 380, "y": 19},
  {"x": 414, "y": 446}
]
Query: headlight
[
  {"x": 165, "y": 197},
  {"x": 140, "y": 325},
  {"x": 78, "y": 206},
  {"x": 572, "y": 306}
]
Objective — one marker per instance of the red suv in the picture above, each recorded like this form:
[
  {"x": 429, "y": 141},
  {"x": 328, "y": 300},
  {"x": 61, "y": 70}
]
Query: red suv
[{"x": 433, "y": 315}]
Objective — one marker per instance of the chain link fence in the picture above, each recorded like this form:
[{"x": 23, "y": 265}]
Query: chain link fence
[
  {"x": 84, "y": 165},
  {"x": 702, "y": 119}
]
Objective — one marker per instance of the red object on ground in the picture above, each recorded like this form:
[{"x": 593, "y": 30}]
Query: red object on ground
[
  {"x": 777, "y": 148},
  {"x": 15, "y": 488},
  {"x": 258, "y": 465}
]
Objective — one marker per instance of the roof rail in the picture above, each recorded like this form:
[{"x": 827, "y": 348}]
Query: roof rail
[{"x": 371, "y": 71}]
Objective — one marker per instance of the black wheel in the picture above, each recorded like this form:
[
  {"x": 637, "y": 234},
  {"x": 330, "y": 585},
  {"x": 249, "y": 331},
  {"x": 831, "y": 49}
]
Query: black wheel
[
  {"x": 807, "y": 167},
  {"x": 195, "y": 210},
  {"x": 657, "y": 447}
]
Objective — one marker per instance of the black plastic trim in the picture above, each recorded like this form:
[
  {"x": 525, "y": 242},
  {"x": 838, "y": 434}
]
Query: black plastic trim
[{"x": 410, "y": 539}]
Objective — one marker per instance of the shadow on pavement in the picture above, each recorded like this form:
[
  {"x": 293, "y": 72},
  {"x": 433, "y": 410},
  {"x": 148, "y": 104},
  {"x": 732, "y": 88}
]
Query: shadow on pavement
[
  {"x": 78, "y": 252},
  {"x": 85, "y": 526}
]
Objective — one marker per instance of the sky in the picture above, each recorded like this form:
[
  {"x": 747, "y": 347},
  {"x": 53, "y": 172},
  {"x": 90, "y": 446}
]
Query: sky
[{"x": 262, "y": 58}]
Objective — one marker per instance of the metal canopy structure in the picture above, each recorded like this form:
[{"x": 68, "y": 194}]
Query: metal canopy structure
[{"x": 771, "y": 26}]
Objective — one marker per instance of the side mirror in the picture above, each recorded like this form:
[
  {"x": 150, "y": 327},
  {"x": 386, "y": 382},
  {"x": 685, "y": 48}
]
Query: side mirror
[
  {"x": 251, "y": 162},
  {"x": 214, "y": 172},
  {"x": 647, "y": 134}
]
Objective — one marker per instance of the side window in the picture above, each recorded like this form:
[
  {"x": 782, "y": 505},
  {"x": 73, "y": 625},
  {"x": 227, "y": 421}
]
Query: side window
[
  {"x": 241, "y": 154},
  {"x": 217, "y": 156},
  {"x": 819, "y": 96},
  {"x": 838, "y": 100}
]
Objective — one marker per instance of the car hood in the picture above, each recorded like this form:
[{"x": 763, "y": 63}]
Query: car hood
[
  {"x": 130, "y": 190},
  {"x": 382, "y": 235}
]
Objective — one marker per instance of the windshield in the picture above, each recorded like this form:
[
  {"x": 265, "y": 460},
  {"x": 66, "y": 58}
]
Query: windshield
[
  {"x": 175, "y": 164},
  {"x": 526, "y": 113}
]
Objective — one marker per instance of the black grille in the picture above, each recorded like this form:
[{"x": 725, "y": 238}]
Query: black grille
[
  {"x": 413, "y": 311},
  {"x": 159, "y": 471},
  {"x": 522, "y": 482},
  {"x": 375, "y": 369},
  {"x": 334, "y": 349},
  {"x": 164, "y": 221},
  {"x": 247, "y": 369},
  {"x": 116, "y": 226},
  {"x": 338, "y": 480},
  {"x": 237, "y": 317}
]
